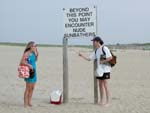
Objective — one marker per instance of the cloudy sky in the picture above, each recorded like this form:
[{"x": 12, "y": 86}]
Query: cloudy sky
[{"x": 119, "y": 21}]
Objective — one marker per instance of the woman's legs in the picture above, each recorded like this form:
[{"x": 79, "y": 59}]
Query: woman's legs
[
  {"x": 26, "y": 95},
  {"x": 101, "y": 89},
  {"x": 31, "y": 89},
  {"x": 107, "y": 93}
]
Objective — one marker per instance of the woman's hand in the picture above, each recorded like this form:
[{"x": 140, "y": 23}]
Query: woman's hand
[
  {"x": 30, "y": 66},
  {"x": 36, "y": 52}
]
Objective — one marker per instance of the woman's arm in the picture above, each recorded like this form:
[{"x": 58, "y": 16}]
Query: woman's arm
[
  {"x": 36, "y": 53},
  {"x": 84, "y": 57},
  {"x": 24, "y": 60}
]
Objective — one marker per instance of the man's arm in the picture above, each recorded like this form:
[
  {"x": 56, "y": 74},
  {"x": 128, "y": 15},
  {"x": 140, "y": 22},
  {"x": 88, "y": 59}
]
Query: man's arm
[
  {"x": 84, "y": 57},
  {"x": 108, "y": 56}
]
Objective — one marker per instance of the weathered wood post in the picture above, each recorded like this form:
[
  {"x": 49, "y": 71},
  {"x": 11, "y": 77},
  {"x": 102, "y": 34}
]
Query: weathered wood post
[
  {"x": 65, "y": 70},
  {"x": 95, "y": 66},
  {"x": 95, "y": 84}
]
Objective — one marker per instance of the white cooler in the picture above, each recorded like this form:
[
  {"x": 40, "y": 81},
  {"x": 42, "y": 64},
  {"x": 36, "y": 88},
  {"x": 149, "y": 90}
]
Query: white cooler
[{"x": 56, "y": 97}]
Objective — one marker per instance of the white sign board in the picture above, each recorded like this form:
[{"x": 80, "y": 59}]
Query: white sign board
[{"x": 79, "y": 22}]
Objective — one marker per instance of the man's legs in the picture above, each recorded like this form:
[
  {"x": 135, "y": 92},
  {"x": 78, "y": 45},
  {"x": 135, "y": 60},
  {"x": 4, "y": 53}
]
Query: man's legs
[
  {"x": 107, "y": 93},
  {"x": 101, "y": 89}
]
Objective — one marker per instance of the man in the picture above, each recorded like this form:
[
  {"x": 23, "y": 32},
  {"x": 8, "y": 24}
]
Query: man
[{"x": 103, "y": 55}]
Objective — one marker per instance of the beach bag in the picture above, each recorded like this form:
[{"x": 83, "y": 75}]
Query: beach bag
[
  {"x": 23, "y": 71},
  {"x": 56, "y": 97},
  {"x": 113, "y": 61}
]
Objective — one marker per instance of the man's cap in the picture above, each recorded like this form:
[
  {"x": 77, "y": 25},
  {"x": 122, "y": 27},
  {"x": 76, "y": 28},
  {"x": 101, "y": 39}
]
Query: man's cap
[{"x": 98, "y": 39}]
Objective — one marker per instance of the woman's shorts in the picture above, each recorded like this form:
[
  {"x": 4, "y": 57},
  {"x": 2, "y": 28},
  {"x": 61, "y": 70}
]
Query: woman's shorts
[{"x": 104, "y": 77}]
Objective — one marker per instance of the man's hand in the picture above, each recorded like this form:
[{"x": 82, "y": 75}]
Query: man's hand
[
  {"x": 105, "y": 61},
  {"x": 84, "y": 57},
  {"x": 102, "y": 62},
  {"x": 80, "y": 55}
]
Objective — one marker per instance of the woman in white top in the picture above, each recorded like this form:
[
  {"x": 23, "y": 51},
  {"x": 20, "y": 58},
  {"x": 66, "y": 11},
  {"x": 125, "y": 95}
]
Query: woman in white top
[{"x": 103, "y": 55}]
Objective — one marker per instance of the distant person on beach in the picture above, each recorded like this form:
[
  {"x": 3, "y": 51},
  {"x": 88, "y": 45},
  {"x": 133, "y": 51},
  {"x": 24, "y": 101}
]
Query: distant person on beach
[
  {"x": 103, "y": 68},
  {"x": 29, "y": 59}
]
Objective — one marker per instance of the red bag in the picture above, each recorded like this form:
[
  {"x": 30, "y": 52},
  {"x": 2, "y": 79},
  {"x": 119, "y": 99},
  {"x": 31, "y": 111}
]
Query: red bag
[{"x": 23, "y": 71}]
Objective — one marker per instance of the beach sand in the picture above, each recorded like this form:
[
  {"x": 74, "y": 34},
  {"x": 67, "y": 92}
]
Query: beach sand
[{"x": 129, "y": 83}]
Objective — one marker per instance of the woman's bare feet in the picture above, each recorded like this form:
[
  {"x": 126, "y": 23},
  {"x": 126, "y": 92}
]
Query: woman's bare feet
[
  {"x": 101, "y": 103},
  {"x": 107, "y": 105},
  {"x": 30, "y": 105},
  {"x": 25, "y": 106}
]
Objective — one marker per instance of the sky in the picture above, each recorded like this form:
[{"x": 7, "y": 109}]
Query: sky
[{"x": 119, "y": 21}]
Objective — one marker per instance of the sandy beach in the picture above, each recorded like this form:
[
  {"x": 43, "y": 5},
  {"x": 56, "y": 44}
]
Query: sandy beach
[{"x": 129, "y": 83}]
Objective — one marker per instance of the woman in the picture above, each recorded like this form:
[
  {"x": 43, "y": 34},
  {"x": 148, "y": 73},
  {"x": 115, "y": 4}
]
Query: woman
[
  {"x": 29, "y": 59},
  {"x": 105, "y": 70}
]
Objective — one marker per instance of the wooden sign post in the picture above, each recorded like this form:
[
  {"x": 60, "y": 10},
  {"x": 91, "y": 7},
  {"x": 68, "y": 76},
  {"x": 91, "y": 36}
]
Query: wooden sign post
[
  {"x": 94, "y": 70},
  {"x": 78, "y": 23},
  {"x": 95, "y": 83},
  {"x": 65, "y": 70}
]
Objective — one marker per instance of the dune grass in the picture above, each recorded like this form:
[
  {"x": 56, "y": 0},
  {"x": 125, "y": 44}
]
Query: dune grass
[
  {"x": 42, "y": 45},
  {"x": 143, "y": 46}
]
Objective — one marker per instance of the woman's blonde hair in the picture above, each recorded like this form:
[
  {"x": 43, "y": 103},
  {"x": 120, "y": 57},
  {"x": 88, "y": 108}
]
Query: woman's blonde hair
[{"x": 29, "y": 45}]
